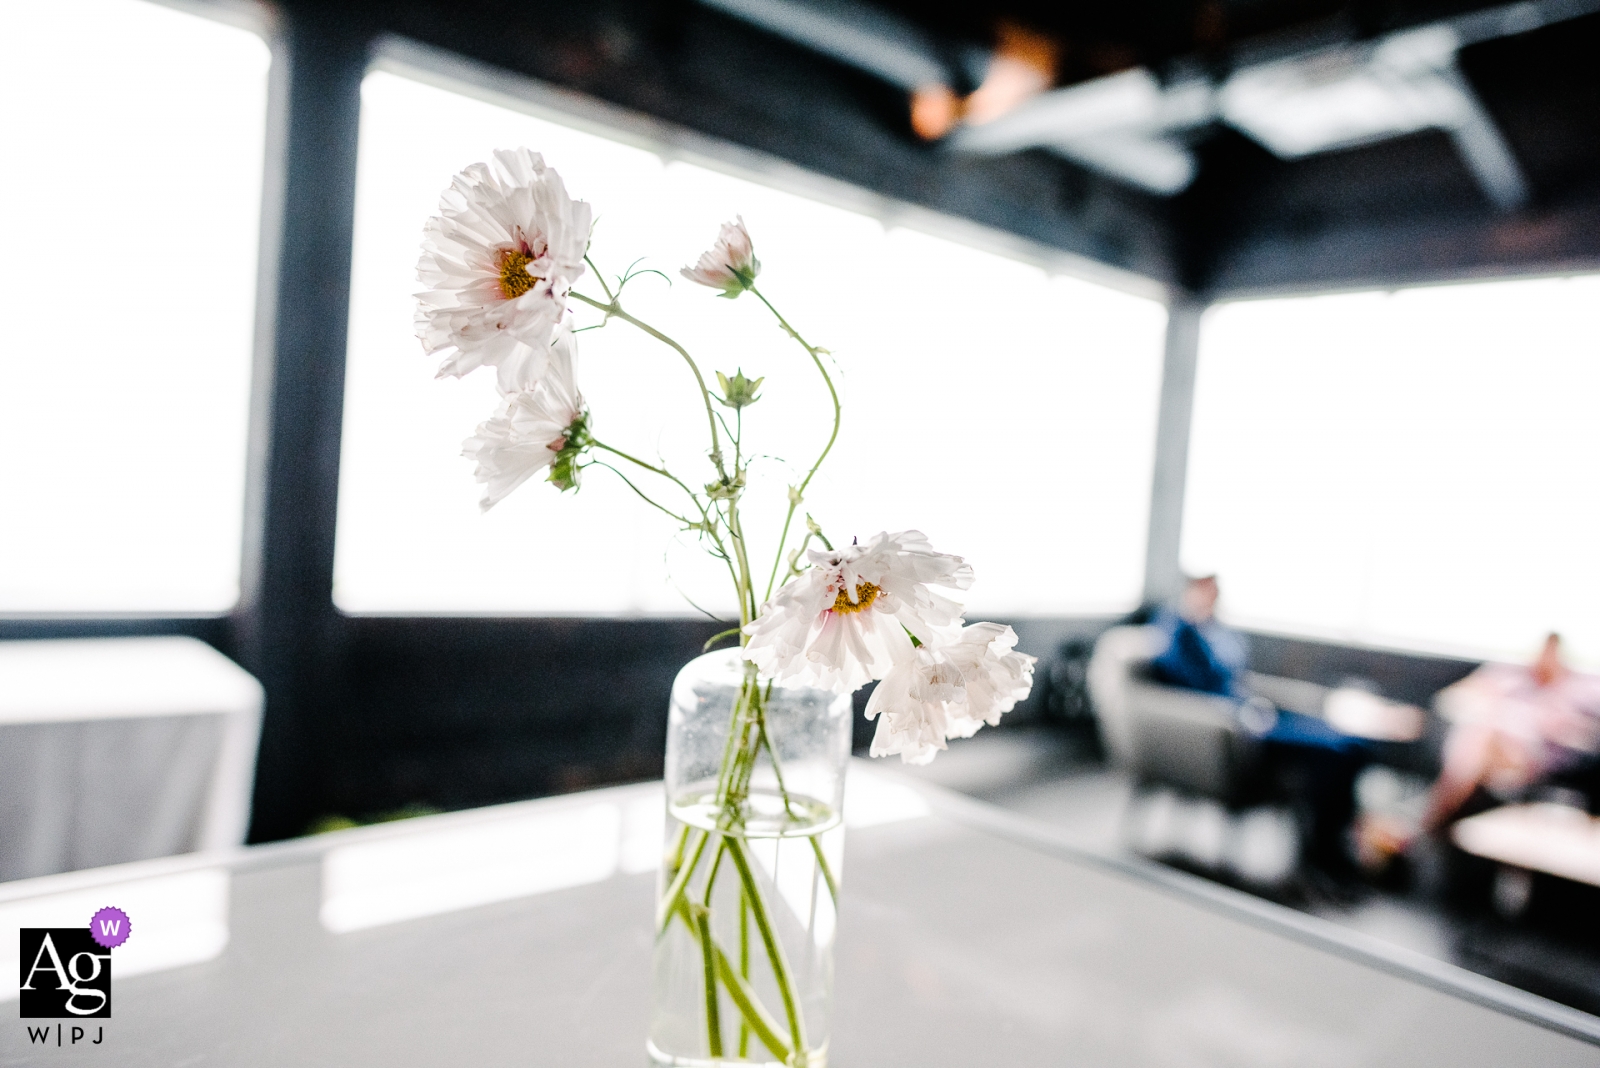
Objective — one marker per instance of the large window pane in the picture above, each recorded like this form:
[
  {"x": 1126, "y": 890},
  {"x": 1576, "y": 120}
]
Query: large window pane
[
  {"x": 132, "y": 135},
  {"x": 1412, "y": 469},
  {"x": 1007, "y": 413}
]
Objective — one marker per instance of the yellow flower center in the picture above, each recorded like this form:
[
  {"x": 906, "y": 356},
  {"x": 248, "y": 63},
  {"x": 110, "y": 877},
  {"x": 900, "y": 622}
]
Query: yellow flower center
[
  {"x": 867, "y": 592},
  {"x": 514, "y": 277}
]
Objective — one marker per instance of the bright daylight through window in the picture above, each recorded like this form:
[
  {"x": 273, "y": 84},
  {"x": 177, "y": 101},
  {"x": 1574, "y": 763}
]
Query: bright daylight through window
[
  {"x": 124, "y": 379},
  {"x": 1412, "y": 469},
  {"x": 1037, "y": 470}
]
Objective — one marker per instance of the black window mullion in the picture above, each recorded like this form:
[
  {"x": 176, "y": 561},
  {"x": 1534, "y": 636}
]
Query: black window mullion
[{"x": 287, "y": 631}]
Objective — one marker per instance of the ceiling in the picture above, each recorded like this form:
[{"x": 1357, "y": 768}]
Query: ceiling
[{"x": 1218, "y": 145}]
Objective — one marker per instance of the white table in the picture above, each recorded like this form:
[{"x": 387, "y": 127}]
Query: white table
[
  {"x": 1555, "y": 839},
  {"x": 968, "y": 936},
  {"x": 120, "y": 749}
]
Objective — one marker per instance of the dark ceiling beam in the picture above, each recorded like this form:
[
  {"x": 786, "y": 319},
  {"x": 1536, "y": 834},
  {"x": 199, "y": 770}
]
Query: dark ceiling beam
[
  {"x": 682, "y": 62},
  {"x": 1393, "y": 253},
  {"x": 1249, "y": 223},
  {"x": 1407, "y": 210}
]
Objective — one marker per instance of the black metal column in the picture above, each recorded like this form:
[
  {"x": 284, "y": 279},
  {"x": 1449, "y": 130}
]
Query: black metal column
[{"x": 288, "y": 632}]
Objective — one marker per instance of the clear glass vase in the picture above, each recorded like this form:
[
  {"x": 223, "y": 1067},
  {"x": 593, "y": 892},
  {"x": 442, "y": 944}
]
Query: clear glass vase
[{"x": 748, "y": 893}]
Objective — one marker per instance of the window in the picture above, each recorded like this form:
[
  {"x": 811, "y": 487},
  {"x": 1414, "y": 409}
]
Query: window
[
  {"x": 1007, "y": 413},
  {"x": 131, "y": 278},
  {"x": 1413, "y": 469}
]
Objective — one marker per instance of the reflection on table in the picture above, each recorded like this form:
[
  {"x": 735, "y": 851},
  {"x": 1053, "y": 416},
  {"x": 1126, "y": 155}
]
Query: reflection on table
[{"x": 967, "y": 936}]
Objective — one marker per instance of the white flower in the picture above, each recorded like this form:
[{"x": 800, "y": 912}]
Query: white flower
[
  {"x": 994, "y": 675},
  {"x": 498, "y": 261},
  {"x": 843, "y": 622},
  {"x": 948, "y": 690},
  {"x": 532, "y": 430},
  {"x": 910, "y": 706},
  {"x": 731, "y": 265}
]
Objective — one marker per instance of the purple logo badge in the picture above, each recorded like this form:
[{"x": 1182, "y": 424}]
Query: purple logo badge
[{"x": 109, "y": 927}]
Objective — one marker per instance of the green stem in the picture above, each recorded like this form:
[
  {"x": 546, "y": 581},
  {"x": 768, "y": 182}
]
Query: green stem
[
  {"x": 670, "y": 899},
  {"x": 645, "y": 497},
  {"x": 694, "y": 498},
  {"x": 816, "y": 845},
  {"x": 750, "y": 1011},
  {"x": 704, "y": 525},
  {"x": 745, "y": 765},
  {"x": 833, "y": 395},
  {"x": 827, "y": 872},
  {"x": 747, "y": 596},
  {"x": 721, "y": 552},
  {"x": 780, "y": 966},
  {"x": 702, "y": 919},
  {"x": 744, "y": 966},
  {"x": 611, "y": 307},
  {"x": 763, "y": 742},
  {"x": 716, "y": 863},
  {"x": 717, "y": 637},
  {"x": 738, "y": 728},
  {"x": 662, "y": 471},
  {"x": 675, "y": 858},
  {"x": 598, "y": 277},
  {"x": 740, "y": 991}
]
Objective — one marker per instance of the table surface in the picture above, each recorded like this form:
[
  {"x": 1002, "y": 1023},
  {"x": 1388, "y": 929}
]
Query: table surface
[
  {"x": 1557, "y": 839},
  {"x": 968, "y": 936},
  {"x": 66, "y": 679}
]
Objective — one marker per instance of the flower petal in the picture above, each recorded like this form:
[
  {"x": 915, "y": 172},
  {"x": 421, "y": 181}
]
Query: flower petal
[{"x": 513, "y": 204}]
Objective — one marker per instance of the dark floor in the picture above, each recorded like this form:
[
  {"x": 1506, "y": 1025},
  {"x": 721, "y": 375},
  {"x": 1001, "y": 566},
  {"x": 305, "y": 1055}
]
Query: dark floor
[{"x": 1440, "y": 905}]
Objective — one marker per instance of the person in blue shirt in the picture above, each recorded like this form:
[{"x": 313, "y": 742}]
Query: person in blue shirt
[
  {"x": 1201, "y": 653},
  {"x": 1310, "y": 762}
]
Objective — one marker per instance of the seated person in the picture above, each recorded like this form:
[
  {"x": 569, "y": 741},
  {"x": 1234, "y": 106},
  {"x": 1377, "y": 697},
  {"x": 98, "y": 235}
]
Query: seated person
[
  {"x": 1201, "y": 653},
  {"x": 1312, "y": 763},
  {"x": 1512, "y": 728}
]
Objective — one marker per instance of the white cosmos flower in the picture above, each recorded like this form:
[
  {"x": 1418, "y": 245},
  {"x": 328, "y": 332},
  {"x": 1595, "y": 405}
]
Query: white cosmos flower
[
  {"x": 910, "y": 706},
  {"x": 994, "y": 675},
  {"x": 843, "y": 622},
  {"x": 731, "y": 265},
  {"x": 530, "y": 430},
  {"x": 498, "y": 261},
  {"x": 948, "y": 689}
]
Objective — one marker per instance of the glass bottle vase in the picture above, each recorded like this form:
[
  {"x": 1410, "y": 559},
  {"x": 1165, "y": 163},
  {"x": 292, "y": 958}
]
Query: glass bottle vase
[{"x": 748, "y": 893}]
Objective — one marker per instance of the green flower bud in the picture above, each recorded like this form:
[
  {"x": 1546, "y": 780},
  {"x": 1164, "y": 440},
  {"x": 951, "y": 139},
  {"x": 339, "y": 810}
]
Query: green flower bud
[
  {"x": 738, "y": 391},
  {"x": 565, "y": 470}
]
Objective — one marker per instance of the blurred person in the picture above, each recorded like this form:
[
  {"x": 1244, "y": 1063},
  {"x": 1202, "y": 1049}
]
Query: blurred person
[
  {"x": 1312, "y": 763},
  {"x": 1513, "y": 727},
  {"x": 1201, "y": 653}
]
